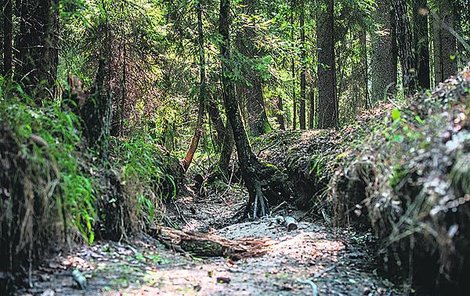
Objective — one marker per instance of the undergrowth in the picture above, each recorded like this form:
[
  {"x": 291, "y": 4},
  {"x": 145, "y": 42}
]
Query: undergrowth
[
  {"x": 60, "y": 132},
  {"x": 143, "y": 173}
]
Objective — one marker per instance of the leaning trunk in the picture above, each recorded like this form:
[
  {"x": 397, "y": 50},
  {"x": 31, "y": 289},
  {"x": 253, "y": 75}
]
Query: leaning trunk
[
  {"x": 202, "y": 91},
  {"x": 248, "y": 161}
]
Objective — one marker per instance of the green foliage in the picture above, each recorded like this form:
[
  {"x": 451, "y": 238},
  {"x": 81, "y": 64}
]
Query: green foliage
[
  {"x": 317, "y": 165},
  {"x": 398, "y": 174},
  {"x": 143, "y": 173},
  {"x": 60, "y": 130}
]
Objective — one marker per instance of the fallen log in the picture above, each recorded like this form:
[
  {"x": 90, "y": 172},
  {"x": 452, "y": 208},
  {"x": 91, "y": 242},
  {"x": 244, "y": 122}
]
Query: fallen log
[{"x": 211, "y": 245}]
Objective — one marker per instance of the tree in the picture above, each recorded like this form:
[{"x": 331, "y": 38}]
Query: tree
[
  {"x": 251, "y": 89},
  {"x": 294, "y": 98},
  {"x": 405, "y": 46},
  {"x": 302, "y": 111},
  {"x": 384, "y": 52},
  {"x": 260, "y": 180},
  {"x": 7, "y": 37},
  {"x": 445, "y": 46},
  {"x": 421, "y": 42},
  {"x": 38, "y": 46},
  {"x": 327, "y": 99},
  {"x": 202, "y": 90}
]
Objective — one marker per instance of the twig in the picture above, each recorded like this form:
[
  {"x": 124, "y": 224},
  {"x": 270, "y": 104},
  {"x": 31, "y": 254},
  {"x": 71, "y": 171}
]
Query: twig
[
  {"x": 278, "y": 207},
  {"x": 312, "y": 284},
  {"x": 318, "y": 274},
  {"x": 229, "y": 183},
  {"x": 179, "y": 212}
]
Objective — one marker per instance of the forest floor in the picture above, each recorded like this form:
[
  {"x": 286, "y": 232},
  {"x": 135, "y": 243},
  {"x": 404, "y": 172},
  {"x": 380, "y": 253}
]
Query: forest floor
[{"x": 314, "y": 259}]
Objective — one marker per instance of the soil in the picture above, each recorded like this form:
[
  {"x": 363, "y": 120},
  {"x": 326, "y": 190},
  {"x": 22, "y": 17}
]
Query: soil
[{"x": 313, "y": 259}]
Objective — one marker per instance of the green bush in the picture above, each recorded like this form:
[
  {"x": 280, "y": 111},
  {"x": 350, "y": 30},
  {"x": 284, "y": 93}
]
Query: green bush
[{"x": 60, "y": 132}]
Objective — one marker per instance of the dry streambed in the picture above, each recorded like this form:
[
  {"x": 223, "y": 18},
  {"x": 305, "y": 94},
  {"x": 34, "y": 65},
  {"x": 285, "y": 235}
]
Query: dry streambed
[{"x": 312, "y": 259}]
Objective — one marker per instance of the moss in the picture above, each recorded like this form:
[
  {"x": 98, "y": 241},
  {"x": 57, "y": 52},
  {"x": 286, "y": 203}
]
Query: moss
[{"x": 398, "y": 174}]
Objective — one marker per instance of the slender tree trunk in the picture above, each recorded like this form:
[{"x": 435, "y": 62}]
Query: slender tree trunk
[
  {"x": 252, "y": 91},
  {"x": 202, "y": 90},
  {"x": 294, "y": 98},
  {"x": 280, "y": 113},
  {"x": 227, "y": 149},
  {"x": 7, "y": 37},
  {"x": 302, "y": 115},
  {"x": 311, "y": 116},
  {"x": 445, "y": 44},
  {"x": 383, "y": 60},
  {"x": 420, "y": 22},
  {"x": 405, "y": 47},
  {"x": 217, "y": 122},
  {"x": 365, "y": 68},
  {"x": 328, "y": 103},
  {"x": 249, "y": 164}
]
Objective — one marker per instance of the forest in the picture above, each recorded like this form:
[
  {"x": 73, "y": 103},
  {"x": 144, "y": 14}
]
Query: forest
[{"x": 235, "y": 147}]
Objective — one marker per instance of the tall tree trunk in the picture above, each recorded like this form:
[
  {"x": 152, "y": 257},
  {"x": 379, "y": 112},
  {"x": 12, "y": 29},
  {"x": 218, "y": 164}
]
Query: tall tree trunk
[
  {"x": 311, "y": 116},
  {"x": 252, "y": 90},
  {"x": 302, "y": 115},
  {"x": 420, "y": 28},
  {"x": 7, "y": 37},
  {"x": 249, "y": 164},
  {"x": 280, "y": 113},
  {"x": 37, "y": 45},
  {"x": 217, "y": 122},
  {"x": 384, "y": 60},
  {"x": 294, "y": 98},
  {"x": 445, "y": 44},
  {"x": 202, "y": 90},
  {"x": 327, "y": 99},
  {"x": 97, "y": 111},
  {"x": 227, "y": 149},
  {"x": 365, "y": 68},
  {"x": 405, "y": 47}
]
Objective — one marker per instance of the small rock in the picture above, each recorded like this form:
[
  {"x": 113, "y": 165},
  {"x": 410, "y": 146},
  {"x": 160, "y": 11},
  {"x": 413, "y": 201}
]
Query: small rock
[
  {"x": 48, "y": 292},
  {"x": 223, "y": 280},
  {"x": 367, "y": 291}
]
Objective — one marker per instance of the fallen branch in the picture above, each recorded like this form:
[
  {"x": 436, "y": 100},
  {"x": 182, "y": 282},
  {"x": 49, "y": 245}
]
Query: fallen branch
[{"x": 211, "y": 245}]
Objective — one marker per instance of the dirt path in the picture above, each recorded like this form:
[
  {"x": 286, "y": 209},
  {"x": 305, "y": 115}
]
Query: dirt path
[{"x": 310, "y": 260}]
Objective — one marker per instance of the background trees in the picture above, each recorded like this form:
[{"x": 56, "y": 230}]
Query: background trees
[{"x": 293, "y": 64}]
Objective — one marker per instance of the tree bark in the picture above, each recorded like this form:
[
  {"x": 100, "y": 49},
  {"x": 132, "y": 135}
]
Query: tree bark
[
  {"x": 280, "y": 113},
  {"x": 217, "y": 122},
  {"x": 311, "y": 116},
  {"x": 445, "y": 44},
  {"x": 302, "y": 112},
  {"x": 405, "y": 47},
  {"x": 227, "y": 149},
  {"x": 327, "y": 99},
  {"x": 249, "y": 164},
  {"x": 421, "y": 44},
  {"x": 38, "y": 46},
  {"x": 384, "y": 59},
  {"x": 7, "y": 37},
  {"x": 294, "y": 98},
  {"x": 252, "y": 89}
]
